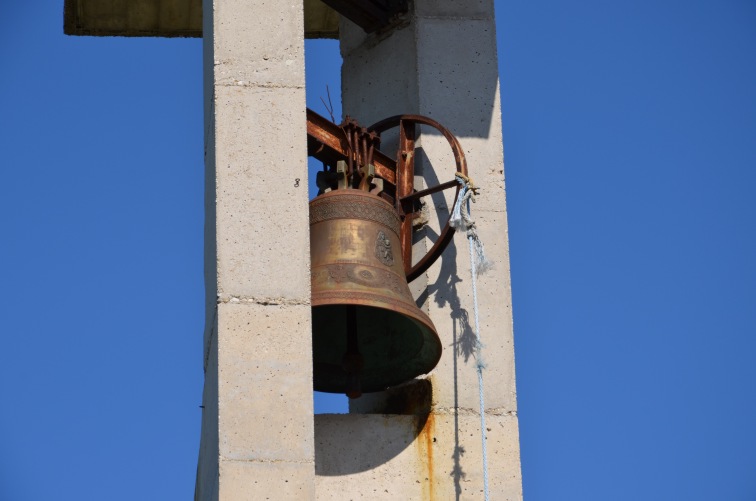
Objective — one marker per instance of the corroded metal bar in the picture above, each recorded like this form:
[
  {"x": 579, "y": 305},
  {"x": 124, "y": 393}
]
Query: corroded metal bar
[
  {"x": 409, "y": 199},
  {"x": 405, "y": 185},
  {"x": 327, "y": 142}
]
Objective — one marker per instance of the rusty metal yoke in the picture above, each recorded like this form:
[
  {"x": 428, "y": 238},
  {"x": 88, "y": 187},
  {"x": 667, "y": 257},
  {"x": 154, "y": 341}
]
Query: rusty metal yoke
[{"x": 352, "y": 158}]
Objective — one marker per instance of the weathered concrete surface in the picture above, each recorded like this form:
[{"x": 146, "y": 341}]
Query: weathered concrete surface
[
  {"x": 441, "y": 62},
  {"x": 262, "y": 250},
  {"x": 169, "y": 18},
  {"x": 260, "y": 370},
  {"x": 258, "y": 481},
  {"x": 257, "y": 428},
  {"x": 431, "y": 457}
]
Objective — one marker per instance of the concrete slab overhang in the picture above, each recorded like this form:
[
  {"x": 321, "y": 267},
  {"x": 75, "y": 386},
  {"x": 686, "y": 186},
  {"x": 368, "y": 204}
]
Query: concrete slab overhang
[{"x": 168, "y": 18}]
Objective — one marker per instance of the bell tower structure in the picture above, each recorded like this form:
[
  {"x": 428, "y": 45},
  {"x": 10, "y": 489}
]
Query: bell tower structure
[{"x": 259, "y": 437}]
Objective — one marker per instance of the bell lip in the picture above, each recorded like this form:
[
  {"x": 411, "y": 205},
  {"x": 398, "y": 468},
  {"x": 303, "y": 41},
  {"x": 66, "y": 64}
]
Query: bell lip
[{"x": 430, "y": 335}]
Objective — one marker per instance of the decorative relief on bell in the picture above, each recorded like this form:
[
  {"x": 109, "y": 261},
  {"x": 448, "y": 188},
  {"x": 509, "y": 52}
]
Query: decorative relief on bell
[
  {"x": 373, "y": 278},
  {"x": 354, "y": 206},
  {"x": 383, "y": 249}
]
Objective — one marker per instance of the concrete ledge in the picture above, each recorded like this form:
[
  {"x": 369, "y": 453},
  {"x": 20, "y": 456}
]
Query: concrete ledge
[{"x": 437, "y": 456}]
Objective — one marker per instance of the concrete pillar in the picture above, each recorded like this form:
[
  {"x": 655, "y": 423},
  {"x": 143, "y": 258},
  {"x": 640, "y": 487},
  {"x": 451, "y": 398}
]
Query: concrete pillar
[
  {"x": 257, "y": 425},
  {"x": 439, "y": 60}
]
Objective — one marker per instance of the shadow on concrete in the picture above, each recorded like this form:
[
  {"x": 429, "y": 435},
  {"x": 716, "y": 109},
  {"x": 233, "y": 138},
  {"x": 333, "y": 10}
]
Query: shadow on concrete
[
  {"x": 463, "y": 345},
  {"x": 388, "y": 423},
  {"x": 446, "y": 296}
]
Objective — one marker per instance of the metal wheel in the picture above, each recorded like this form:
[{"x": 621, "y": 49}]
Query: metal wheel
[{"x": 406, "y": 194}]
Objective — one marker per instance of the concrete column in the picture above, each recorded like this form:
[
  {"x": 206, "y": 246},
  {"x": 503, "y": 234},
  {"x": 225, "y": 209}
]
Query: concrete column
[
  {"x": 257, "y": 426},
  {"x": 440, "y": 60}
]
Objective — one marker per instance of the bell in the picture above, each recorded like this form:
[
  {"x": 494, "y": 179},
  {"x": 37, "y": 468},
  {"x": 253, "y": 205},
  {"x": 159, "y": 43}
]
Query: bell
[{"x": 368, "y": 334}]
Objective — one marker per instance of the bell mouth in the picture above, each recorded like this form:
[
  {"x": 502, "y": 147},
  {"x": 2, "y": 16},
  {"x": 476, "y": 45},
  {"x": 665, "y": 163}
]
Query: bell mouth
[{"x": 394, "y": 346}]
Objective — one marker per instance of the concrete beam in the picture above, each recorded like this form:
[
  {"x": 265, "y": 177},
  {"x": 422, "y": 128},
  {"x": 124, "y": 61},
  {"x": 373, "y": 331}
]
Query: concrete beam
[{"x": 169, "y": 18}]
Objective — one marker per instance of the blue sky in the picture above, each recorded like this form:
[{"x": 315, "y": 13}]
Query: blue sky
[{"x": 630, "y": 159}]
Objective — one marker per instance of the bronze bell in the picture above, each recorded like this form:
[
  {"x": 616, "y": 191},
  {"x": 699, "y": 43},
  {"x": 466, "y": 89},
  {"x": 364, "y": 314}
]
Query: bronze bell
[{"x": 368, "y": 334}]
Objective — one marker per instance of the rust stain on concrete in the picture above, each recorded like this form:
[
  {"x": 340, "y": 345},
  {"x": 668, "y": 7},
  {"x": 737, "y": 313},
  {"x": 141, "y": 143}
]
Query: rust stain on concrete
[{"x": 426, "y": 426}]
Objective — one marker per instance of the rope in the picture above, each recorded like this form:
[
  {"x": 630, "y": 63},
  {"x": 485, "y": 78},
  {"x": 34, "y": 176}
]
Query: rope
[
  {"x": 479, "y": 366},
  {"x": 460, "y": 220}
]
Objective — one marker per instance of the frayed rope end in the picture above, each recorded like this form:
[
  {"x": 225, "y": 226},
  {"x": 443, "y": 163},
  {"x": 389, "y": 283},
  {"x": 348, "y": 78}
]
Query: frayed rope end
[{"x": 483, "y": 266}]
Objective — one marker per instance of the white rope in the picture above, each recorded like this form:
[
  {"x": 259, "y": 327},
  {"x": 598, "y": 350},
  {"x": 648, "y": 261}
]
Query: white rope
[
  {"x": 461, "y": 220},
  {"x": 480, "y": 366}
]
